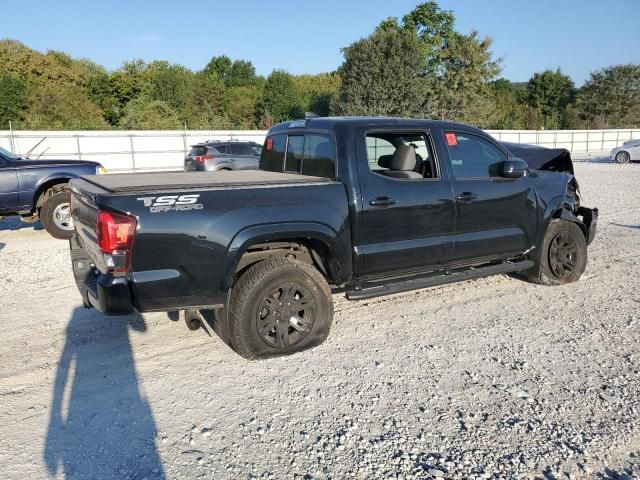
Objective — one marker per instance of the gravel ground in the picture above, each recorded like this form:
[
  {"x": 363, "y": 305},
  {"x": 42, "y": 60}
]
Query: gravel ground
[{"x": 493, "y": 378}]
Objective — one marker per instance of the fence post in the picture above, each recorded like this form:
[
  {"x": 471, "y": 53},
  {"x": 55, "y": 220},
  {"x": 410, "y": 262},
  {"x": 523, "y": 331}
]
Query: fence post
[
  {"x": 184, "y": 139},
  {"x": 588, "y": 136},
  {"x": 78, "y": 145},
  {"x": 572, "y": 147},
  {"x": 602, "y": 143},
  {"x": 133, "y": 155},
  {"x": 11, "y": 139}
]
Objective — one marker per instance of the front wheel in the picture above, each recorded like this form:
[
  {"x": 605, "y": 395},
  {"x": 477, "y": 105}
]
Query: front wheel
[
  {"x": 278, "y": 307},
  {"x": 564, "y": 255},
  {"x": 55, "y": 215},
  {"x": 623, "y": 157}
]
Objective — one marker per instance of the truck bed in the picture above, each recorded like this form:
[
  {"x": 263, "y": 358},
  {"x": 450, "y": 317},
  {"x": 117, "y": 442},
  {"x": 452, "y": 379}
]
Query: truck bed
[{"x": 148, "y": 182}]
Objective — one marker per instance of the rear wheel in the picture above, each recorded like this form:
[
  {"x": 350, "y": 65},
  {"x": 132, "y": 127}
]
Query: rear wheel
[
  {"x": 278, "y": 307},
  {"x": 623, "y": 157},
  {"x": 55, "y": 215},
  {"x": 564, "y": 255}
]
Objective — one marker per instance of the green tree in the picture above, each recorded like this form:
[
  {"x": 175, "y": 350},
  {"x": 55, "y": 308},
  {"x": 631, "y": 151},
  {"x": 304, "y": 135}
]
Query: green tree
[
  {"x": 13, "y": 98},
  {"x": 508, "y": 107},
  {"x": 317, "y": 92},
  {"x": 240, "y": 106},
  {"x": 550, "y": 93},
  {"x": 55, "y": 107},
  {"x": 141, "y": 114},
  {"x": 382, "y": 75},
  {"x": 241, "y": 74},
  {"x": 218, "y": 68},
  {"x": 442, "y": 73},
  {"x": 169, "y": 83},
  {"x": 204, "y": 106},
  {"x": 280, "y": 98},
  {"x": 611, "y": 98}
]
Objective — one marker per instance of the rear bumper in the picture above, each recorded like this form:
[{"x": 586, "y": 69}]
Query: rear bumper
[{"x": 107, "y": 294}]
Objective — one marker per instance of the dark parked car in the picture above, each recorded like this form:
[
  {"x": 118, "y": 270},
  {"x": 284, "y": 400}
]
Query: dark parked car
[
  {"x": 373, "y": 205},
  {"x": 37, "y": 189},
  {"x": 221, "y": 156}
]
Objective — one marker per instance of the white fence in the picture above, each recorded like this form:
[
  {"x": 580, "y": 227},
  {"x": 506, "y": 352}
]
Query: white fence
[{"x": 165, "y": 150}]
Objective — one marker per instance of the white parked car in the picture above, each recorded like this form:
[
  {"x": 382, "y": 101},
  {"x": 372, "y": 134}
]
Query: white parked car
[{"x": 629, "y": 151}]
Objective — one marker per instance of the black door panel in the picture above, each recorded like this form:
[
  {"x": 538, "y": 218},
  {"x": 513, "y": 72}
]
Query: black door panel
[
  {"x": 405, "y": 224},
  {"x": 495, "y": 217}
]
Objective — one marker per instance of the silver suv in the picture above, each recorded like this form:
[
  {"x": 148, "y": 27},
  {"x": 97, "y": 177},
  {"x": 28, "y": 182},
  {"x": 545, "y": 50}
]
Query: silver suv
[{"x": 217, "y": 155}]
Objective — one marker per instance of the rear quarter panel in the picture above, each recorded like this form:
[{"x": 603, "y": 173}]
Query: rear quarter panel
[{"x": 188, "y": 257}]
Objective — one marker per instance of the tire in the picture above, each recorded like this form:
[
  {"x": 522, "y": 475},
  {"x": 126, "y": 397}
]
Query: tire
[
  {"x": 55, "y": 216},
  {"x": 623, "y": 157},
  {"x": 261, "y": 322},
  {"x": 564, "y": 255}
]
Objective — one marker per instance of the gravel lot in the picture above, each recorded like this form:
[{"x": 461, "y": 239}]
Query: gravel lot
[{"x": 493, "y": 378}]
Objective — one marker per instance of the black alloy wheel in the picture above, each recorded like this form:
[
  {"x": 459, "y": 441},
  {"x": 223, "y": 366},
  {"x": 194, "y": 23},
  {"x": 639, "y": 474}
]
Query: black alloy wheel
[
  {"x": 286, "y": 316},
  {"x": 563, "y": 255}
]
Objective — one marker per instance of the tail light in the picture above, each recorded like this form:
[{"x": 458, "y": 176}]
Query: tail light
[
  {"x": 202, "y": 158},
  {"x": 115, "y": 233}
]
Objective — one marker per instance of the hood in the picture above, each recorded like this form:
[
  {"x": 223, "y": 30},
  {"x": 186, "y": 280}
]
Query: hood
[
  {"x": 542, "y": 158},
  {"x": 56, "y": 163}
]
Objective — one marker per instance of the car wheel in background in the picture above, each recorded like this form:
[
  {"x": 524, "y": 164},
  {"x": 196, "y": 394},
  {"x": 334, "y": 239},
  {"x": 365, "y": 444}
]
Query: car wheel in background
[
  {"x": 564, "y": 255},
  {"x": 55, "y": 215},
  {"x": 623, "y": 157},
  {"x": 278, "y": 307}
]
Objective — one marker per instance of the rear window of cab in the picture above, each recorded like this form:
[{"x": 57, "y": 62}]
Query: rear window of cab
[{"x": 310, "y": 154}]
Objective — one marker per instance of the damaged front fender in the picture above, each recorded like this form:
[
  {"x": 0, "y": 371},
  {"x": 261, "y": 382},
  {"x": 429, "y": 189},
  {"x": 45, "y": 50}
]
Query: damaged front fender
[{"x": 586, "y": 218}]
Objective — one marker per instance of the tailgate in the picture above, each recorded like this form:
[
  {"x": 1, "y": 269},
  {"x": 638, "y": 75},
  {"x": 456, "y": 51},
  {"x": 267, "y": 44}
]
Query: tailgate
[{"x": 84, "y": 212}]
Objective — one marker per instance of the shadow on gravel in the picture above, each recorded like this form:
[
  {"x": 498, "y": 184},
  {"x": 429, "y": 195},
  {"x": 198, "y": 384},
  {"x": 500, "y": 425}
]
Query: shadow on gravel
[
  {"x": 16, "y": 223},
  {"x": 626, "y": 226},
  {"x": 100, "y": 425}
]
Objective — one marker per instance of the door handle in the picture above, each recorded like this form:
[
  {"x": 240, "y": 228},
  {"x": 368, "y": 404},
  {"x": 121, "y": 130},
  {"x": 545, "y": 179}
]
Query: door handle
[
  {"x": 466, "y": 197},
  {"x": 382, "y": 201}
]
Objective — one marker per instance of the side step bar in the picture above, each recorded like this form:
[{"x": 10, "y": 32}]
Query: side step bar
[{"x": 432, "y": 281}]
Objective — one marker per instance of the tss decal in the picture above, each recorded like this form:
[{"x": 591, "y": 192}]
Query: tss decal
[{"x": 172, "y": 203}]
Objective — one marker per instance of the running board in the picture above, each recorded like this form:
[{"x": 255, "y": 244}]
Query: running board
[{"x": 425, "y": 282}]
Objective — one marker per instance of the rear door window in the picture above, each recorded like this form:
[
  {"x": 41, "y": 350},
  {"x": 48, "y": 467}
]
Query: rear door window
[
  {"x": 239, "y": 149},
  {"x": 319, "y": 156},
  {"x": 272, "y": 157},
  {"x": 221, "y": 149},
  {"x": 309, "y": 154},
  {"x": 295, "y": 147}
]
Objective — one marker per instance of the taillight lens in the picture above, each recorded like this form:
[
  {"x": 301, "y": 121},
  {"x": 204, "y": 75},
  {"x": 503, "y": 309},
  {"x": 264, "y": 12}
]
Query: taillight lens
[
  {"x": 115, "y": 233},
  {"x": 202, "y": 158}
]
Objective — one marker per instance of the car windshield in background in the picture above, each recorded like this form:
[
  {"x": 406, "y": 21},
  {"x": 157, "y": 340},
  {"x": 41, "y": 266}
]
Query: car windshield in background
[
  {"x": 307, "y": 154},
  {"x": 8, "y": 154}
]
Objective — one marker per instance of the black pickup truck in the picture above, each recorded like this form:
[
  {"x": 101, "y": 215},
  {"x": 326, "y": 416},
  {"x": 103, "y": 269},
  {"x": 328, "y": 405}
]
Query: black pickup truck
[{"x": 370, "y": 205}]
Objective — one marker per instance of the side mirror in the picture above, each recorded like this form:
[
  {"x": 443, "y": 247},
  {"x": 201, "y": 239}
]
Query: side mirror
[{"x": 513, "y": 168}]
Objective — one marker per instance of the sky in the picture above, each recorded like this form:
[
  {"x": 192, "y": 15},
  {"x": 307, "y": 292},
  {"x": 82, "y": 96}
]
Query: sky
[{"x": 303, "y": 36}]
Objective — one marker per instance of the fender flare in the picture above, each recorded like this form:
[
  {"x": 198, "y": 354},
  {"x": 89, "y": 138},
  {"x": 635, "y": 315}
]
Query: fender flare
[
  {"x": 57, "y": 179},
  {"x": 282, "y": 231}
]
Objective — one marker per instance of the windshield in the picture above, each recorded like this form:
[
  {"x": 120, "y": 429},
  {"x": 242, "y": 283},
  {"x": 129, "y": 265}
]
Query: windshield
[{"x": 8, "y": 154}]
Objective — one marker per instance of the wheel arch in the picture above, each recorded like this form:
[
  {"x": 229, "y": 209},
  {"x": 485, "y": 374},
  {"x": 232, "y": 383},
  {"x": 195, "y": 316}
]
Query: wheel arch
[
  {"x": 319, "y": 241},
  {"x": 54, "y": 184}
]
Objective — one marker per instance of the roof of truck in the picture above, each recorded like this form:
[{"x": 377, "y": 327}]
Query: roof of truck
[{"x": 331, "y": 123}]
